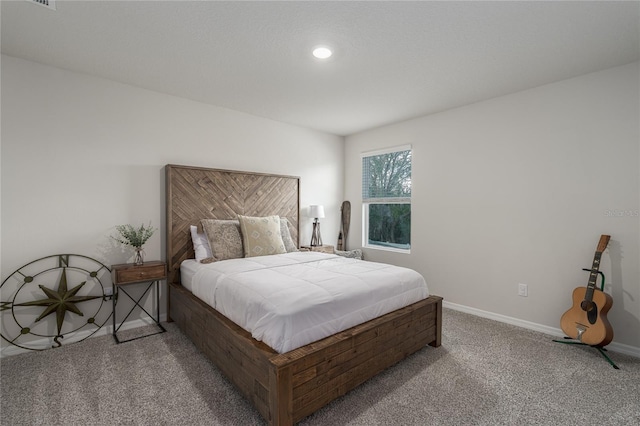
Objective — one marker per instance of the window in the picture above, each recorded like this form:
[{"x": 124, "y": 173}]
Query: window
[{"x": 386, "y": 199}]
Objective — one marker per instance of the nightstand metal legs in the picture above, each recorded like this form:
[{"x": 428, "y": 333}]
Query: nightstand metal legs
[{"x": 137, "y": 303}]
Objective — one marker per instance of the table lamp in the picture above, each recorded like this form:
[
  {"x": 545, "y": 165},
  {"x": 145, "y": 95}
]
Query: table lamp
[{"x": 316, "y": 212}]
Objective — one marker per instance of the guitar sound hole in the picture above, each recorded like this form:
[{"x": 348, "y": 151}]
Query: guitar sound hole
[{"x": 587, "y": 305}]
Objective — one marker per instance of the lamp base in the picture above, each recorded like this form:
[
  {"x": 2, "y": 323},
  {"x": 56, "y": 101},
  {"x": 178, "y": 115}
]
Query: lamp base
[{"x": 316, "y": 239}]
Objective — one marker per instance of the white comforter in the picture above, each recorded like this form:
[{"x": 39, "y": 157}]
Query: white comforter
[{"x": 290, "y": 300}]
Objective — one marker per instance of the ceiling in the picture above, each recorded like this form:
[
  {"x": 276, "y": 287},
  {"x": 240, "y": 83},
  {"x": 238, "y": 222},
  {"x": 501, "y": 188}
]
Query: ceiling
[{"x": 392, "y": 60}]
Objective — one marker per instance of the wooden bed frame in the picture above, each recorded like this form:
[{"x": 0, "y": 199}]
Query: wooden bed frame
[{"x": 284, "y": 388}]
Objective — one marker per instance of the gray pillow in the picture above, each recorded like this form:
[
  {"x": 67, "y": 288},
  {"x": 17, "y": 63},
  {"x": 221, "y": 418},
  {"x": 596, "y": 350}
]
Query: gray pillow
[
  {"x": 224, "y": 238},
  {"x": 353, "y": 254}
]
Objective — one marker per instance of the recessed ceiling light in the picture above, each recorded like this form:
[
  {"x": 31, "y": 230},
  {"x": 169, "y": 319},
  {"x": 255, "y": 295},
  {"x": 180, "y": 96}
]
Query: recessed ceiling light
[{"x": 322, "y": 52}]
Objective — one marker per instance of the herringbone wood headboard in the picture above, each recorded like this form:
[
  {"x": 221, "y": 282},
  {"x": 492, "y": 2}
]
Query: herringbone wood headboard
[{"x": 195, "y": 193}]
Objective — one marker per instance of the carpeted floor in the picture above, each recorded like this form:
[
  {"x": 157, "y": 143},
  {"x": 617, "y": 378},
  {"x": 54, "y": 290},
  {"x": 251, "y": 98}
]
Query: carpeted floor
[{"x": 485, "y": 373}]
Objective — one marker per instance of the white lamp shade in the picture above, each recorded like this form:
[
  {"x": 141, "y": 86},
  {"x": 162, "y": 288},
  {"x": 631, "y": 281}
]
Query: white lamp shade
[{"x": 316, "y": 211}]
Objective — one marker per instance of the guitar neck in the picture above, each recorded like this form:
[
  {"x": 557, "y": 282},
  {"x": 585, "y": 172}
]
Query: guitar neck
[
  {"x": 595, "y": 267},
  {"x": 593, "y": 276}
]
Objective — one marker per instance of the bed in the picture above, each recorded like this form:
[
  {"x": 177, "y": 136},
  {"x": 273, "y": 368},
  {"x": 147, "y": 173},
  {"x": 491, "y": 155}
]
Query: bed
[{"x": 284, "y": 387}]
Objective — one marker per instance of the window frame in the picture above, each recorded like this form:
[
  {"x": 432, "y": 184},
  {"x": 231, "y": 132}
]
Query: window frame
[{"x": 366, "y": 202}]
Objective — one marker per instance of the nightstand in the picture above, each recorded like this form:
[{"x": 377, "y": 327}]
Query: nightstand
[
  {"x": 126, "y": 274},
  {"x": 322, "y": 249}
]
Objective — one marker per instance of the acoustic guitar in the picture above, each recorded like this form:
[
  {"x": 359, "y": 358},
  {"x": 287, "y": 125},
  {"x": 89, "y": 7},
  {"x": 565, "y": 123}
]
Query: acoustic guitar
[{"x": 587, "y": 321}]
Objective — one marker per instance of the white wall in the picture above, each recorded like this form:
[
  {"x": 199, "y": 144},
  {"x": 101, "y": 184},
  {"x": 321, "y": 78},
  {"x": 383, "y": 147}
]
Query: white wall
[
  {"x": 82, "y": 154},
  {"x": 512, "y": 190},
  {"x": 516, "y": 190}
]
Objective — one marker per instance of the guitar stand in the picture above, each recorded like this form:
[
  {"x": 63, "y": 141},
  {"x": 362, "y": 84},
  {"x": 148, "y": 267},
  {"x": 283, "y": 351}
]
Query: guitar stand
[{"x": 600, "y": 349}]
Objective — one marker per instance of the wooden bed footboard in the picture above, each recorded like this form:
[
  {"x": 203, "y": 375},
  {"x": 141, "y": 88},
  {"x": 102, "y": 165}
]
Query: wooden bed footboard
[{"x": 285, "y": 388}]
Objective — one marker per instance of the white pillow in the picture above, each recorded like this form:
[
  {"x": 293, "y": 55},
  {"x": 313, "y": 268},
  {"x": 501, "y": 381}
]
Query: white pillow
[
  {"x": 285, "y": 233},
  {"x": 200, "y": 244}
]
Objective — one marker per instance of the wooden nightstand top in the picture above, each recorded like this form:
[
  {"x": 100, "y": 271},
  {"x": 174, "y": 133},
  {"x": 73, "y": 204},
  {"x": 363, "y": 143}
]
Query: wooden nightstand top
[{"x": 128, "y": 273}]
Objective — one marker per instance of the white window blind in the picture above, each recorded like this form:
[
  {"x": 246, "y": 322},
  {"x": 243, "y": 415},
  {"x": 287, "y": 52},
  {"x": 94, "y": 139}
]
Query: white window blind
[{"x": 386, "y": 175}]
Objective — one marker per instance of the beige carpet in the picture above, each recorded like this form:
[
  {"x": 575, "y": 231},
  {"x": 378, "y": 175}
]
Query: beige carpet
[{"x": 485, "y": 373}]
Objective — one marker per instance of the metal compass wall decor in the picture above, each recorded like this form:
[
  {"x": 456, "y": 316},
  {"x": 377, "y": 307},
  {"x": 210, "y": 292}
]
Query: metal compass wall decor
[{"x": 50, "y": 298}]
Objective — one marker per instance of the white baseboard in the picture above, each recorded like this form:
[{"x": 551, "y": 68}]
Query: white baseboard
[
  {"x": 613, "y": 346},
  {"x": 46, "y": 343}
]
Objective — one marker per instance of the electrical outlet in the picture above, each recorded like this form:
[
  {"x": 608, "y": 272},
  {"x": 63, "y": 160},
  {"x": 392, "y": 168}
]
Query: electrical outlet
[{"x": 523, "y": 290}]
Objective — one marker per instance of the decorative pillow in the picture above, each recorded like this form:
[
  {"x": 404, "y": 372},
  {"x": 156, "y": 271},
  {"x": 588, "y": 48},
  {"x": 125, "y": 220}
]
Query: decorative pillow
[
  {"x": 285, "y": 233},
  {"x": 200, "y": 244},
  {"x": 224, "y": 238},
  {"x": 261, "y": 235},
  {"x": 353, "y": 254}
]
